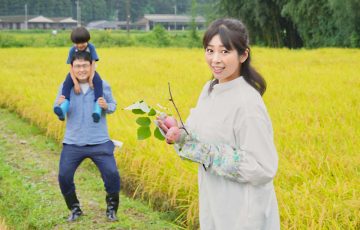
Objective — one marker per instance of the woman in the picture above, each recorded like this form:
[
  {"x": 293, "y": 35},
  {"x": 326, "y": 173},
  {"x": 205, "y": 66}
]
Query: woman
[{"x": 229, "y": 133}]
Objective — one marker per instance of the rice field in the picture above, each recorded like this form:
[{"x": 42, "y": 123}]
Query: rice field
[{"x": 313, "y": 98}]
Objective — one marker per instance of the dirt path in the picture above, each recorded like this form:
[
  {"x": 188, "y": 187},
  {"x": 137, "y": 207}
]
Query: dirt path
[{"x": 29, "y": 191}]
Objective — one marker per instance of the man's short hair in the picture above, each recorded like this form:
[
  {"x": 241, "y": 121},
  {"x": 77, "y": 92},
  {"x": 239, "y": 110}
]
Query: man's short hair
[
  {"x": 81, "y": 55},
  {"x": 80, "y": 35}
]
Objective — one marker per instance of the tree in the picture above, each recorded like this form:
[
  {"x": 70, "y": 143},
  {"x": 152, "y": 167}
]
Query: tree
[
  {"x": 194, "y": 40},
  {"x": 264, "y": 21}
]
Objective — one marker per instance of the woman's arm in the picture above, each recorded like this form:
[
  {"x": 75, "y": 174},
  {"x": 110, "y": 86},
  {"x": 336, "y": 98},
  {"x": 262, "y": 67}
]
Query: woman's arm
[{"x": 255, "y": 161}]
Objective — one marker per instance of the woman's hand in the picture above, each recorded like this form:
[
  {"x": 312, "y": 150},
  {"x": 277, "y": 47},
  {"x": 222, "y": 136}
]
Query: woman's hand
[
  {"x": 170, "y": 128},
  {"x": 173, "y": 135}
]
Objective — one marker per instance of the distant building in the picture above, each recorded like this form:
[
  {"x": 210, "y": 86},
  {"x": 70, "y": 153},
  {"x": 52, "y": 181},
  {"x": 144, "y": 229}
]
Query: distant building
[
  {"x": 36, "y": 22},
  {"x": 108, "y": 25},
  {"x": 169, "y": 22}
]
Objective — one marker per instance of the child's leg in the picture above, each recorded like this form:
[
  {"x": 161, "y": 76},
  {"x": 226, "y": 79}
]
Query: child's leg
[
  {"x": 98, "y": 86},
  {"x": 98, "y": 91},
  {"x": 67, "y": 86},
  {"x": 61, "y": 109}
]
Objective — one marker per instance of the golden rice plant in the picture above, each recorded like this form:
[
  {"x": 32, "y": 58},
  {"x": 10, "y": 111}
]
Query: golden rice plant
[
  {"x": 312, "y": 97},
  {"x": 3, "y": 225}
]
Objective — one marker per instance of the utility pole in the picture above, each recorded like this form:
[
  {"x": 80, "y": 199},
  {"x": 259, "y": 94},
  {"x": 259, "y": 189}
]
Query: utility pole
[
  {"x": 175, "y": 16},
  {"x": 26, "y": 17},
  {"x": 78, "y": 13},
  {"x": 128, "y": 17}
]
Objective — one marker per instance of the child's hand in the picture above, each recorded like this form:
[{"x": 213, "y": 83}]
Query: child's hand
[
  {"x": 102, "y": 103},
  {"x": 61, "y": 99},
  {"x": 77, "y": 88}
]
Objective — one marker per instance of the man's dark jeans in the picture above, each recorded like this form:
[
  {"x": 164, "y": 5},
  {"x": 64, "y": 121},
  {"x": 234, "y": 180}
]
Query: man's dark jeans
[{"x": 103, "y": 157}]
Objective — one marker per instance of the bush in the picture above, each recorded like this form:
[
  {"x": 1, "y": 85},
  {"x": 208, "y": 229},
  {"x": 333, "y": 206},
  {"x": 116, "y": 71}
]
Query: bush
[{"x": 161, "y": 36}]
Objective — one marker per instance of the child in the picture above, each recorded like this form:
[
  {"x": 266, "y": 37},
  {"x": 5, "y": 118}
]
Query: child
[{"x": 80, "y": 37}]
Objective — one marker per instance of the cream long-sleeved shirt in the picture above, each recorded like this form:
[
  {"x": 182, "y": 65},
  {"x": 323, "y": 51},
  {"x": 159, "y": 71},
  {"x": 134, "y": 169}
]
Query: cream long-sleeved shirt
[{"x": 234, "y": 141}]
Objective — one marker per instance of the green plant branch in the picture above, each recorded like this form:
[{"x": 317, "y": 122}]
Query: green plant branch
[{"x": 177, "y": 111}]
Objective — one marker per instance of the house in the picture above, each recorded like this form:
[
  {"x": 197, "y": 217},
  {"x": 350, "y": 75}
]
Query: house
[
  {"x": 36, "y": 22},
  {"x": 107, "y": 25},
  {"x": 169, "y": 22}
]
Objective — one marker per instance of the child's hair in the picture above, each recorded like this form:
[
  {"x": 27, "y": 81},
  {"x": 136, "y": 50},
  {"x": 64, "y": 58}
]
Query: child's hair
[
  {"x": 80, "y": 35},
  {"x": 234, "y": 35},
  {"x": 81, "y": 55}
]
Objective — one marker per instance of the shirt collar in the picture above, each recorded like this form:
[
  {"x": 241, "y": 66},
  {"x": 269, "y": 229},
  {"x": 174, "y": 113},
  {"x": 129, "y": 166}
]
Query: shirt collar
[{"x": 221, "y": 87}]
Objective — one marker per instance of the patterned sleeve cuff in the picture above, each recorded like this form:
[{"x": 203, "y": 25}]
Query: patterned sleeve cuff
[{"x": 190, "y": 148}]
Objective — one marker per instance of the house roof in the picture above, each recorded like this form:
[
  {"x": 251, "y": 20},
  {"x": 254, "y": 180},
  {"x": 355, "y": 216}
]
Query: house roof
[
  {"x": 40, "y": 19},
  {"x": 14, "y": 18},
  {"x": 102, "y": 24},
  {"x": 64, "y": 20},
  {"x": 172, "y": 18},
  {"x": 36, "y": 19}
]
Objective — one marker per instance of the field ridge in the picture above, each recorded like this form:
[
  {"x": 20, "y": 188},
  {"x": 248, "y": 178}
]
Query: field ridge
[{"x": 31, "y": 198}]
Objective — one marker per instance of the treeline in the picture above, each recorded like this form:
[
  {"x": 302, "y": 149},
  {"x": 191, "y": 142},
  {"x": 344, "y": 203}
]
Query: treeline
[
  {"x": 159, "y": 37},
  {"x": 96, "y": 9},
  {"x": 275, "y": 23},
  {"x": 298, "y": 23}
]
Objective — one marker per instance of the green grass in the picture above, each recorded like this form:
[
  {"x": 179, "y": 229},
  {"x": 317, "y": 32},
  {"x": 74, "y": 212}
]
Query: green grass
[
  {"x": 29, "y": 192},
  {"x": 45, "y": 38}
]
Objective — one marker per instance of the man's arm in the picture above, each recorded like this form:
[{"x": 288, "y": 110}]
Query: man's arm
[
  {"x": 59, "y": 99},
  {"x": 109, "y": 100}
]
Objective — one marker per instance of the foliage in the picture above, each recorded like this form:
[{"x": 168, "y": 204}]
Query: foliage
[
  {"x": 194, "y": 40},
  {"x": 93, "y": 10},
  {"x": 99, "y": 38},
  {"x": 147, "y": 113},
  {"x": 161, "y": 36},
  {"x": 312, "y": 98},
  {"x": 274, "y": 23},
  {"x": 297, "y": 23}
]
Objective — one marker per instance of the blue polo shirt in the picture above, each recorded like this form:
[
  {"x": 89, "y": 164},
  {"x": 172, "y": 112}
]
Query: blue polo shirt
[
  {"x": 90, "y": 49},
  {"x": 80, "y": 129}
]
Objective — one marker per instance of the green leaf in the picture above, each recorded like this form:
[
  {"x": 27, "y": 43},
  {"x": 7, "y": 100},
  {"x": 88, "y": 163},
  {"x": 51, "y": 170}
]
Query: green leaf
[
  {"x": 152, "y": 112},
  {"x": 143, "y": 132},
  {"x": 158, "y": 134},
  {"x": 143, "y": 121},
  {"x": 137, "y": 111},
  {"x": 141, "y": 105}
]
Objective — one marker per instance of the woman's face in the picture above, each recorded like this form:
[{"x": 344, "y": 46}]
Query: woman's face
[{"x": 224, "y": 64}]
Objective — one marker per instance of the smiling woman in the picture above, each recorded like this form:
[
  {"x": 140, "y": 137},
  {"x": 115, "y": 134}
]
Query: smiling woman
[
  {"x": 231, "y": 137},
  {"x": 224, "y": 64},
  {"x": 228, "y": 54}
]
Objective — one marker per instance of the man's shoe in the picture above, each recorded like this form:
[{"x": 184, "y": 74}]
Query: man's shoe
[
  {"x": 112, "y": 201},
  {"x": 111, "y": 215},
  {"x": 73, "y": 204},
  {"x": 75, "y": 213}
]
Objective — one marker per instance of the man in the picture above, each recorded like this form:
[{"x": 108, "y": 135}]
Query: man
[{"x": 86, "y": 139}]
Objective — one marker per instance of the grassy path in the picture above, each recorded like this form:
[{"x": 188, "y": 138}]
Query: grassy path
[{"x": 30, "y": 197}]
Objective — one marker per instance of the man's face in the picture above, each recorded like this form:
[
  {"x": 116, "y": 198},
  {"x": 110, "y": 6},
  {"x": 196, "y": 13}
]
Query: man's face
[{"x": 81, "y": 70}]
